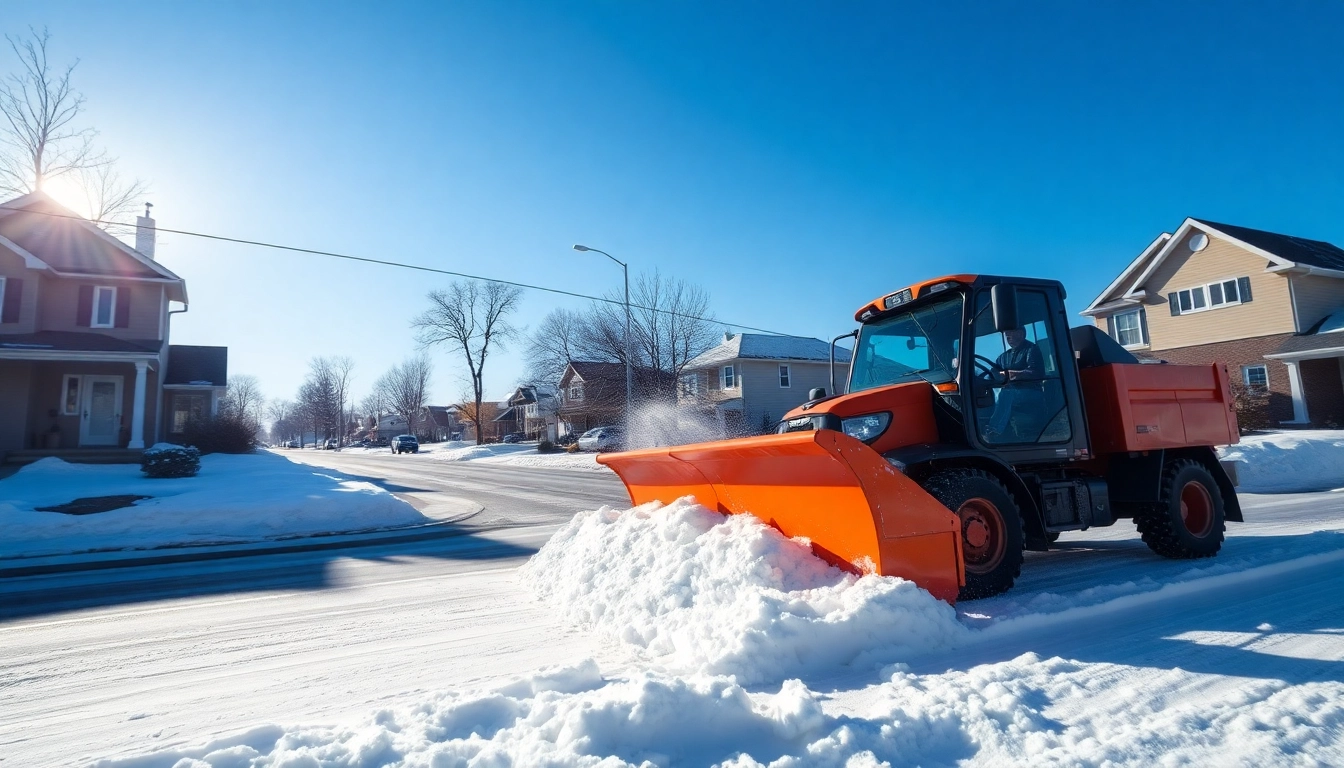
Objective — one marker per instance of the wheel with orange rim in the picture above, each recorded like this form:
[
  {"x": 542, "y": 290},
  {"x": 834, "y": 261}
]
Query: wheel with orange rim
[
  {"x": 1188, "y": 522},
  {"x": 991, "y": 528}
]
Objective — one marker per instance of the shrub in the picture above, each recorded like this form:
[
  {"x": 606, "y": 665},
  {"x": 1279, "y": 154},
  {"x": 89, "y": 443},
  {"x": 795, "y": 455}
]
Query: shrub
[
  {"x": 572, "y": 448},
  {"x": 226, "y": 433},
  {"x": 166, "y": 460},
  {"x": 1252, "y": 407},
  {"x": 546, "y": 446}
]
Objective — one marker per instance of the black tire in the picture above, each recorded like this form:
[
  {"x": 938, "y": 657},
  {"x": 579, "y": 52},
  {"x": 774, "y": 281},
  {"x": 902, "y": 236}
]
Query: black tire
[
  {"x": 991, "y": 532},
  {"x": 1188, "y": 523}
]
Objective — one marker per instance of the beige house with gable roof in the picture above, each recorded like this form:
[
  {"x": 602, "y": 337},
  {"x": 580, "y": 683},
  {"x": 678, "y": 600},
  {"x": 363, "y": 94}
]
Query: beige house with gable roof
[{"x": 1269, "y": 306}]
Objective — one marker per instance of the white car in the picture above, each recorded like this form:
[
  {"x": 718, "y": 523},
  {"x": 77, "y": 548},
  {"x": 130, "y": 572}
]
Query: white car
[{"x": 602, "y": 439}]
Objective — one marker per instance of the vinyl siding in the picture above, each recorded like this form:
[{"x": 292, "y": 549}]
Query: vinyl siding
[
  {"x": 1270, "y": 310},
  {"x": 1315, "y": 297},
  {"x": 763, "y": 398},
  {"x": 60, "y": 298}
]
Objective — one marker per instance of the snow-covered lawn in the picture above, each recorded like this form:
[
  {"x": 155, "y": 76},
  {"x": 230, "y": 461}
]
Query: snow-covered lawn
[
  {"x": 747, "y": 651},
  {"x": 233, "y": 499},
  {"x": 1289, "y": 461}
]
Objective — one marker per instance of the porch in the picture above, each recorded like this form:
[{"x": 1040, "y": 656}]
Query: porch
[{"x": 75, "y": 401}]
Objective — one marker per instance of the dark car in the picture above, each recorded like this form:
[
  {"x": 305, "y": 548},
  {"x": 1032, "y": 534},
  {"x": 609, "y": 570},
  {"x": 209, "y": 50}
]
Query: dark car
[
  {"x": 516, "y": 437},
  {"x": 405, "y": 444}
]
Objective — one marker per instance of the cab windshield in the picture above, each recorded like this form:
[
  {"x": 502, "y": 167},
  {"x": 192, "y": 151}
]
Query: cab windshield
[{"x": 909, "y": 346}]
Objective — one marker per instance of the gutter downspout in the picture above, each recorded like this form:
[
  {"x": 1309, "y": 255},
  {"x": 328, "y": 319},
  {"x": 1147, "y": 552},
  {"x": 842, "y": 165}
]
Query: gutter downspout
[{"x": 163, "y": 372}]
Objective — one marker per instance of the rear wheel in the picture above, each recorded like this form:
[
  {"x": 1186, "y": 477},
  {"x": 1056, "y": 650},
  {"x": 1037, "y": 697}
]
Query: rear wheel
[
  {"x": 991, "y": 529},
  {"x": 1188, "y": 523}
]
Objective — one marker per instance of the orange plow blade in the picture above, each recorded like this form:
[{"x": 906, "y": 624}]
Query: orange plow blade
[{"x": 859, "y": 513}]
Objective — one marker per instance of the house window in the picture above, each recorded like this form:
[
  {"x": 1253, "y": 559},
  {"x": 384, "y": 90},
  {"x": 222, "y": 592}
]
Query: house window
[
  {"x": 784, "y": 376},
  {"x": 104, "y": 307},
  {"x": 1255, "y": 376},
  {"x": 729, "y": 377},
  {"x": 189, "y": 407},
  {"x": 70, "y": 395},
  {"x": 1223, "y": 293},
  {"x": 575, "y": 391},
  {"x": 1129, "y": 329},
  {"x": 690, "y": 385}
]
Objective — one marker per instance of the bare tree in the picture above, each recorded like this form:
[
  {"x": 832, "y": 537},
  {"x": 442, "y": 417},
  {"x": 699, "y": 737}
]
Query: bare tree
[
  {"x": 404, "y": 388},
  {"x": 38, "y": 134},
  {"x": 670, "y": 324},
  {"x": 555, "y": 343},
  {"x": 319, "y": 400},
  {"x": 108, "y": 197},
  {"x": 281, "y": 413},
  {"x": 470, "y": 317},
  {"x": 243, "y": 398},
  {"x": 341, "y": 368}
]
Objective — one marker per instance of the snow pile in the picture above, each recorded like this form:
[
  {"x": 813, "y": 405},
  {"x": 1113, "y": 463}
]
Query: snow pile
[
  {"x": 232, "y": 499},
  {"x": 993, "y": 714},
  {"x": 701, "y": 592},
  {"x": 1288, "y": 462}
]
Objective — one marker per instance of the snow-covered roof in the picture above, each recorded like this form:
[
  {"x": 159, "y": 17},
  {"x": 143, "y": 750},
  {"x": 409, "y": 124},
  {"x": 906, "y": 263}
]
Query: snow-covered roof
[{"x": 760, "y": 346}]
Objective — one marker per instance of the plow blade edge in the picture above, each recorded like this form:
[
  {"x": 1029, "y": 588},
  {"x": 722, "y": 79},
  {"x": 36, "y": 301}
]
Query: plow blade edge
[{"x": 859, "y": 513}]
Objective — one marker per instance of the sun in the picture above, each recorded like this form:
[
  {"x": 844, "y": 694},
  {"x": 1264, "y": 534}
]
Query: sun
[{"x": 68, "y": 191}]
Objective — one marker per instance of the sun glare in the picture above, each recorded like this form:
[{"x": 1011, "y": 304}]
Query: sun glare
[{"x": 67, "y": 191}]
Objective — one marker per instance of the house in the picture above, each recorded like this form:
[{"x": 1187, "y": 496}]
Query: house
[
  {"x": 750, "y": 380},
  {"x": 537, "y": 409},
  {"x": 592, "y": 394},
  {"x": 438, "y": 423},
  {"x": 1269, "y": 306},
  {"x": 390, "y": 425},
  {"x": 85, "y": 358}
]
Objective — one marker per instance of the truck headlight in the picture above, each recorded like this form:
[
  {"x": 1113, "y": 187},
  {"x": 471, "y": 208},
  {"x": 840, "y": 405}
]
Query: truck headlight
[{"x": 866, "y": 428}]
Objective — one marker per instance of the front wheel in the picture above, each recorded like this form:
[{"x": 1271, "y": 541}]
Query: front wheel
[
  {"x": 991, "y": 529},
  {"x": 1188, "y": 523}
]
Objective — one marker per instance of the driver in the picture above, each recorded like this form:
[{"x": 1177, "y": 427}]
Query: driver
[{"x": 1021, "y": 403}]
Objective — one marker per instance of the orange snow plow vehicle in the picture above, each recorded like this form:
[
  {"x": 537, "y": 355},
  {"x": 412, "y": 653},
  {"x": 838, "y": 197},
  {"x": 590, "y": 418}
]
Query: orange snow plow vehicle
[{"x": 975, "y": 425}]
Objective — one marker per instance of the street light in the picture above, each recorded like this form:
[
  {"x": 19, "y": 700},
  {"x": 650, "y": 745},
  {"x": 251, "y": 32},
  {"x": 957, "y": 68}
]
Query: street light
[{"x": 629, "y": 376}]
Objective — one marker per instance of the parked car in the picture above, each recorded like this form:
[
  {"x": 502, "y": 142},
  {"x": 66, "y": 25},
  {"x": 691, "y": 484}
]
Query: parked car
[
  {"x": 292, "y": 444},
  {"x": 330, "y": 445},
  {"x": 516, "y": 437},
  {"x": 381, "y": 442},
  {"x": 405, "y": 444},
  {"x": 602, "y": 439}
]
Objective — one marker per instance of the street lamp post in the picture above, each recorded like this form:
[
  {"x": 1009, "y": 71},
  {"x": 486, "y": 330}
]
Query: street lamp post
[{"x": 629, "y": 375}]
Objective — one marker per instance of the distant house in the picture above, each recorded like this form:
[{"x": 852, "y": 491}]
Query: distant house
[
  {"x": 438, "y": 423},
  {"x": 85, "y": 358},
  {"x": 1269, "y": 306},
  {"x": 593, "y": 394},
  {"x": 390, "y": 425},
  {"x": 537, "y": 410},
  {"x": 750, "y": 380}
]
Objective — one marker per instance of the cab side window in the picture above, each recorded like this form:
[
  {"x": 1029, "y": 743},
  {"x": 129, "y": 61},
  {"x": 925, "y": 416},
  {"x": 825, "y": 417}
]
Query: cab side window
[{"x": 1018, "y": 395}]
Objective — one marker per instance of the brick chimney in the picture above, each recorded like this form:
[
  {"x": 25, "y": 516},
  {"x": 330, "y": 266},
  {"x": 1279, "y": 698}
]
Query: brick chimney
[{"x": 144, "y": 232}]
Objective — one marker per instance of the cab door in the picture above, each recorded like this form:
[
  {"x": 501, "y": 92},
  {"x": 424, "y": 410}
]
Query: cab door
[{"x": 1025, "y": 402}]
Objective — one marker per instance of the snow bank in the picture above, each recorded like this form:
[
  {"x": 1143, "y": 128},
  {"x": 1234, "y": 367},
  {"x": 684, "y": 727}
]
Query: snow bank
[
  {"x": 994, "y": 714},
  {"x": 232, "y": 499},
  {"x": 1288, "y": 462},
  {"x": 703, "y": 593}
]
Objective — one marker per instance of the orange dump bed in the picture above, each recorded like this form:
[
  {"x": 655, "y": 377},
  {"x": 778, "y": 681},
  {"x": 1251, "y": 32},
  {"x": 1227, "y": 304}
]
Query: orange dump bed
[{"x": 1149, "y": 407}]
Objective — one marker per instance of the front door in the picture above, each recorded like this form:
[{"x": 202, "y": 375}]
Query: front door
[{"x": 100, "y": 419}]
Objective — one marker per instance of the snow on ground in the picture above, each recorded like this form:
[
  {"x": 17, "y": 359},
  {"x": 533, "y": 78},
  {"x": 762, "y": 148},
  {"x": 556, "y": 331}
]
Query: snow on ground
[
  {"x": 245, "y": 498},
  {"x": 510, "y": 454},
  {"x": 748, "y": 652},
  {"x": 1289, "y": 461}
]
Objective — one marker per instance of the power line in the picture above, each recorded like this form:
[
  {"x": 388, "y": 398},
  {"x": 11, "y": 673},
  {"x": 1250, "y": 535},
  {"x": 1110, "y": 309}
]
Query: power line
[{"x": 400, "y": 265}]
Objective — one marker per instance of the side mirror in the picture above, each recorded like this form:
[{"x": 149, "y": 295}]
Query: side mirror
[
  {"x": 816, "y": 393},
  {"x": 1003, "y": 303}
]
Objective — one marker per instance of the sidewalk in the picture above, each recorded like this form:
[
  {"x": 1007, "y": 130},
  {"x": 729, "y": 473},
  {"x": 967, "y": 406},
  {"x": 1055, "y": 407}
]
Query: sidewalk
[{"x": 446, "y": 514}]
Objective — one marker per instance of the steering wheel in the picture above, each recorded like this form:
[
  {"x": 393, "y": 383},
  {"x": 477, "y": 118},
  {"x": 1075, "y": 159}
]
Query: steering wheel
[{"x": 989, "y": 371}]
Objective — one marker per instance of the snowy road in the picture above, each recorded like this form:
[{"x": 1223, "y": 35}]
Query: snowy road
[{"x": 135, "y": 660}]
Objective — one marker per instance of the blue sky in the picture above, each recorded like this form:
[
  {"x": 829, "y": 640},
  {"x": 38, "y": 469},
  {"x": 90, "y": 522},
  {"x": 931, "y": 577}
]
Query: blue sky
[{"x": 794, "y": 159}]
